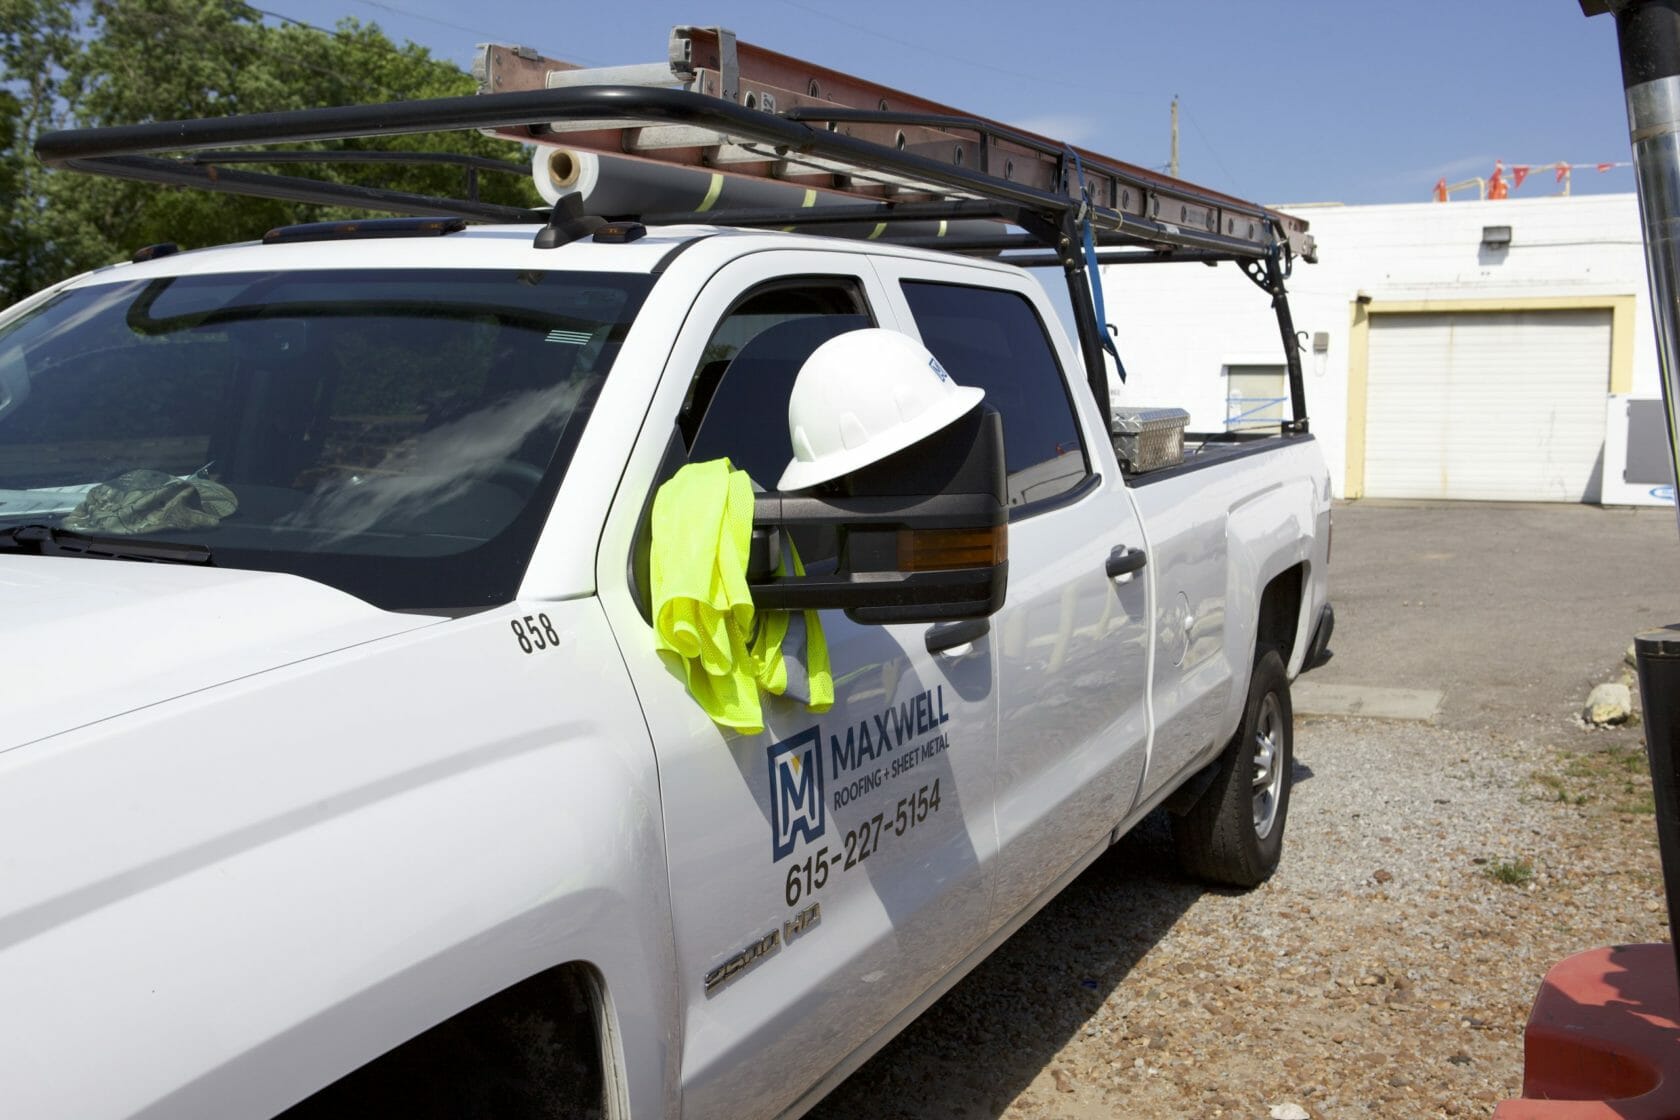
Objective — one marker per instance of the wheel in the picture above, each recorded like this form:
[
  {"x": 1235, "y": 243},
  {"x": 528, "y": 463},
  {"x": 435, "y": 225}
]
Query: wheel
[{"x": 1233, "y": 834}]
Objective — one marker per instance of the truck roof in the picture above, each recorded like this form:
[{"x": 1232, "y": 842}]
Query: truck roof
[{"x": 487, "y": 247}]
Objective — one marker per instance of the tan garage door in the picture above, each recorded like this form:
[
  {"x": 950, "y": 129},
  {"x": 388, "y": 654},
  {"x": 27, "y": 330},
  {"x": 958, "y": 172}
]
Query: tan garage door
[{"x": 1505, "y": 406}]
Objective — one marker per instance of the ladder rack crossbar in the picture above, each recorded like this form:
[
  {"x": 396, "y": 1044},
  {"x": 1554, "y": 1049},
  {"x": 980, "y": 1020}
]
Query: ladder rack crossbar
[{"x": 210, "y": 176}]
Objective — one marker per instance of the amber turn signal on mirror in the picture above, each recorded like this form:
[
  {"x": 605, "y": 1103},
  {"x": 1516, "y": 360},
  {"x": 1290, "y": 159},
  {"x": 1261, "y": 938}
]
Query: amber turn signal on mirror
[{"x": 927, "y": 550}]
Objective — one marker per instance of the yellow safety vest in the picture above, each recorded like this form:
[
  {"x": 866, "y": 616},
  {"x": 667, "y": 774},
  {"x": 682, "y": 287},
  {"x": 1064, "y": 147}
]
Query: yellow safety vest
[{"x": 705, "y": 626}]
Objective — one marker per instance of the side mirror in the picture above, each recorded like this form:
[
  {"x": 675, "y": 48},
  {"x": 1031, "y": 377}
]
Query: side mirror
[{"x": 924, "y": 533}]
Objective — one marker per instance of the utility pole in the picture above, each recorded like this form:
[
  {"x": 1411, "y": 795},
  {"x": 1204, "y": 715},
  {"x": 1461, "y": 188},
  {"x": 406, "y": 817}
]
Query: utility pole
[{"x": 1172, "y": 164}]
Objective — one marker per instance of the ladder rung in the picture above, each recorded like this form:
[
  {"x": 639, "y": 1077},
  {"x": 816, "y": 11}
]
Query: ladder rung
[{"x": 652, "y": 74}]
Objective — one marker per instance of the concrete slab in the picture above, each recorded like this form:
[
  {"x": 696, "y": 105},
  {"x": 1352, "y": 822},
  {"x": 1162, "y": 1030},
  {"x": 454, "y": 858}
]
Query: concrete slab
[
  {"x": 1514, "y": 611},
  {"x": 1312, "y": 698}
]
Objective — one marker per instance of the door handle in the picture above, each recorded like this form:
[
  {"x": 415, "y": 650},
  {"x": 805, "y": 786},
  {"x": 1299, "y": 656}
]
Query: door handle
[
  {"x": 949, "y": 635},
  {"x": 1123, "y": 561}
]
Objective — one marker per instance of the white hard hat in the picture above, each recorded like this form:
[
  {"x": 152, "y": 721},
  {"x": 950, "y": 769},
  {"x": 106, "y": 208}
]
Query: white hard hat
[{"x": 861, "y": 396}]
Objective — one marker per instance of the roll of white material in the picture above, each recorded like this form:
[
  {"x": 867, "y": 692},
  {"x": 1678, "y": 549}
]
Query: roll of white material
[
  {"x": 616, "y": 185},
  {"x": 558, "y": 172},
  {"x": 621, "y": 186}
]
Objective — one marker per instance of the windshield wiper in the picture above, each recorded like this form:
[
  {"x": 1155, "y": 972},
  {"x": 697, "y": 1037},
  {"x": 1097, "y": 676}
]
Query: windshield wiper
[{"x": 44, "y": 540}]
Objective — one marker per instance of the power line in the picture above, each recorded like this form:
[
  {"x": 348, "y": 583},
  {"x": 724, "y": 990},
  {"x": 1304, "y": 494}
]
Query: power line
[
  {"x": 1195, "y": 124},
  {"x": 394, "y": 10},
  {"x": 409, "y": 13},
  {"x": 224, "y": 37},
  {"x": 230, "y": 38},
  {"x": 489, "y": 35},
  {"x": 966, "y": 60},
  {"x": 337, "y": 33}
]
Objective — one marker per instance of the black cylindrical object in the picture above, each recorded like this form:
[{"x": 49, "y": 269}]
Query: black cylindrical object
[
  {"x": 1648, "y": 34},
  {"x": 1659, "y": 690}
]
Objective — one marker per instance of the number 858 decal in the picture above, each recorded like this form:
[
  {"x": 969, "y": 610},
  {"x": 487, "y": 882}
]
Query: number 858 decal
[{"x": 535, "y": 633}]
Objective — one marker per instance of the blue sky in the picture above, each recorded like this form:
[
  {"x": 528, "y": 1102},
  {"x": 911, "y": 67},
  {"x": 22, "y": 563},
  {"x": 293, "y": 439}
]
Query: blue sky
[{"x": 1310, "y": 100}]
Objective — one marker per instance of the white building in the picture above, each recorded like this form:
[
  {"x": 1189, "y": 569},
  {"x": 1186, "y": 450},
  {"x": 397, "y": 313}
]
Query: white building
[{"x": 1489, "y": 350}]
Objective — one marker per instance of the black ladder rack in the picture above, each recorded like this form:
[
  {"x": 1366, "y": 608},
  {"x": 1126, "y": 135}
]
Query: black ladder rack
[{"x": 1053, "y": 216}]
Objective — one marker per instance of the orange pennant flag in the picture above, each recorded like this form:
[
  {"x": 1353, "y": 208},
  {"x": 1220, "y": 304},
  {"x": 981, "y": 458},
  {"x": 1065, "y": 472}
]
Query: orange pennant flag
[{"x": 1519, "y": 172}]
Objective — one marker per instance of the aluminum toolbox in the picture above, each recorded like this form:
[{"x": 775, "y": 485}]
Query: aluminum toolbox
[{"x": 1147, "y": 439}]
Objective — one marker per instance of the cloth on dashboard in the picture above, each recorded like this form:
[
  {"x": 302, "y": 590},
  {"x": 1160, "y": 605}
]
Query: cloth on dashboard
[
  {"x": 705, "y": 625},
  {"x": 146, "y": 501}
]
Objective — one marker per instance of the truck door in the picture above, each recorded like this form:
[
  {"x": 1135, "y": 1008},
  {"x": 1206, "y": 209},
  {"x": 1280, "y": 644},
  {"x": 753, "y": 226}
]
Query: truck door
[
  {"x": 825, "y": 872},
  {"x": 1071, "y": 640}
]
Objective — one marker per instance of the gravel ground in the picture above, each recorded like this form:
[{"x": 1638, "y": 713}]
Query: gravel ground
[
  {"x": 1384, "y": 970},
  {"x": 1387, "y": 969}
]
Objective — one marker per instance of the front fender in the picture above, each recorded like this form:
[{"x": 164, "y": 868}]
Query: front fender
[{"x": 220, "y": 904}]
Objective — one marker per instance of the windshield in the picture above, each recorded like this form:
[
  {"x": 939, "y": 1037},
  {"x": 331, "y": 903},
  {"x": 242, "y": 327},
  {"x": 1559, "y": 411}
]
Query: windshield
[{"x": 396, "y": 434}]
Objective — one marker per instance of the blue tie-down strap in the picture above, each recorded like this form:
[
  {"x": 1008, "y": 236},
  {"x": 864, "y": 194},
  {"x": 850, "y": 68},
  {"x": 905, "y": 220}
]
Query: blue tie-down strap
[{"x": 1091, "y": 269}]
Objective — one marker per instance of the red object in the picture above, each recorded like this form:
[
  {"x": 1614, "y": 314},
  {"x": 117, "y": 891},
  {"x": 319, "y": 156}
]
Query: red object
[
  {"x": 1441, "y": 189},
  {"x": 1605, "y": 166},
  {"x": 1496, "y": 185},
  {"x": 1562, "y": 172},
  {"x": 1519, "y": 172},
  {"x": 1603, "y": 1040}
]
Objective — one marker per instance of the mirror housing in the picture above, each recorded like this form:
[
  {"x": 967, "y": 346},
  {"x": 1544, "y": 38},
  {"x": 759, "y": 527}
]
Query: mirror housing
[{"x": 923, "y": 533}]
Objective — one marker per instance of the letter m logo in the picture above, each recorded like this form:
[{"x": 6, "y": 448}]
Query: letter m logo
[{"x": 796, "y": 791}]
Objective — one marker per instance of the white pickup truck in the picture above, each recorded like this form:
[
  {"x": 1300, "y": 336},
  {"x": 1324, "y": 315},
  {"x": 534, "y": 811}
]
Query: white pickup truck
[{"x": 351, "y": 782}]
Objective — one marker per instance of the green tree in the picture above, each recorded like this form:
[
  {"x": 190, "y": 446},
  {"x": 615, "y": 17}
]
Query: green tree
[
  {"x": 155, "y": 60},
  {"x": 36, "y": 38}
]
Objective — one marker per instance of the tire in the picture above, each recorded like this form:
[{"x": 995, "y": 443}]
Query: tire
[{"x": 1233, "y": 834}]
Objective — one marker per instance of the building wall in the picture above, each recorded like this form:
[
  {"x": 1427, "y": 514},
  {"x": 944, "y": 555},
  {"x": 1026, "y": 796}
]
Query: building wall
[{"x": 1179, "y": 325}]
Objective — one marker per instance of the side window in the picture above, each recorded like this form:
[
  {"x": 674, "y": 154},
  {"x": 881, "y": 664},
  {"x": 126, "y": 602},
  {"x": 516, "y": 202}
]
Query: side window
[
  {"x": 737, "y": 403},
  {"x": 996, "y": 341}
]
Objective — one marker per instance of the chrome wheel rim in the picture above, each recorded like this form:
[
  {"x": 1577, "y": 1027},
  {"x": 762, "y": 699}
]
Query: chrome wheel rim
[{"x": 1268, "y": 764}]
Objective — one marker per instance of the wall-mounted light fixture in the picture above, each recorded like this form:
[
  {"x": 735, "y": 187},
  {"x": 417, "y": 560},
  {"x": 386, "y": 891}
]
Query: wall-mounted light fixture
[{"x": 1496, "y": 237}]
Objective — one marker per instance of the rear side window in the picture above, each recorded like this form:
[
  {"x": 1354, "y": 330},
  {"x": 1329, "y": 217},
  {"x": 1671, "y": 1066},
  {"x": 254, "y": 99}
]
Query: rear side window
[{"x": 996, "y": 341}]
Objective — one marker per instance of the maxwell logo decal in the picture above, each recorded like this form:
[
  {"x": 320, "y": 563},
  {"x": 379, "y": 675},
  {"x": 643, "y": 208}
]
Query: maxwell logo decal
[{"x": 796, "y": 791}]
